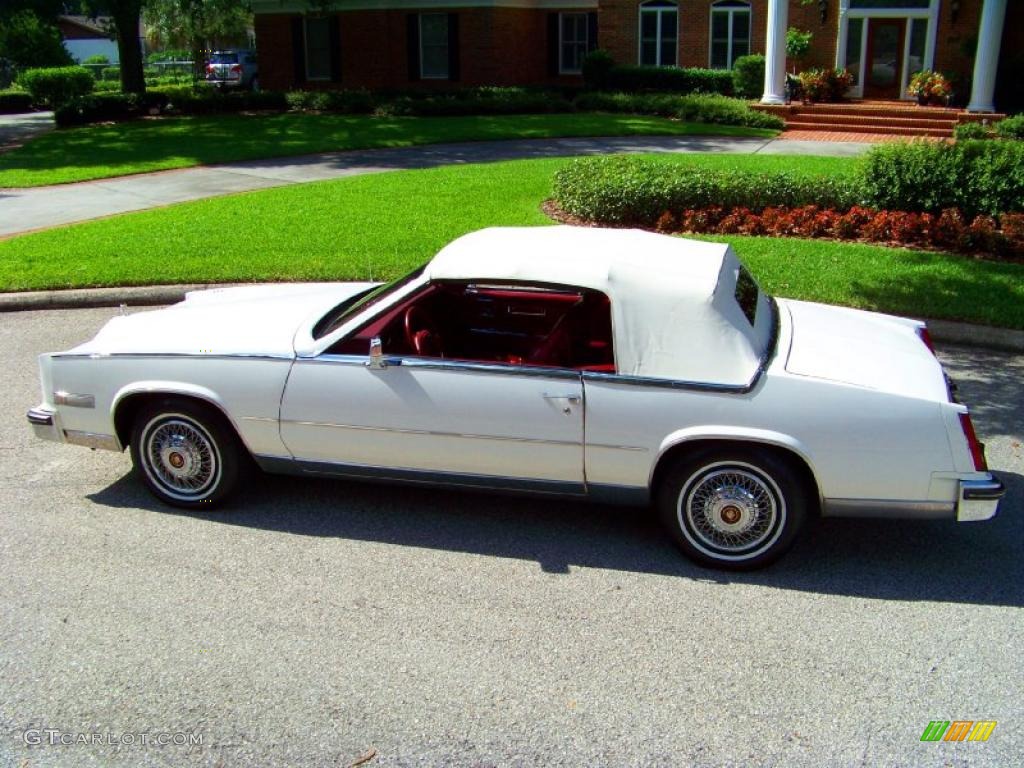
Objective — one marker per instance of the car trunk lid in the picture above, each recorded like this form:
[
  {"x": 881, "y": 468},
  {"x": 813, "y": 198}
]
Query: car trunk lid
[{"x": 864, "y": 349}]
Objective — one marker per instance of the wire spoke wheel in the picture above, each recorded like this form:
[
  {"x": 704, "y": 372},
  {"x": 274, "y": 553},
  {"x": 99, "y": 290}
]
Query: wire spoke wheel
[
  {"x": 731, "y": 510},
  {"x": 180, "y": 457}
]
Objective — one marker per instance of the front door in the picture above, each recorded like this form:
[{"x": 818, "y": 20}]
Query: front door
[
  {"x": 884, "y": 67},
  {"x": 436, "y": 421}
]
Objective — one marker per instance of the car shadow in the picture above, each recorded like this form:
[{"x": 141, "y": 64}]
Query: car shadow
[{"x": 979, "y": 563}]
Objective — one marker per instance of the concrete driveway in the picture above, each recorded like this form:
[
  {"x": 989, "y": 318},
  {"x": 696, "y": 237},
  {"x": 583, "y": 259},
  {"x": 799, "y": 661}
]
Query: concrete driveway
[
  {"x": 15, "y": 129},
  {"x": 320, "y": 622}
]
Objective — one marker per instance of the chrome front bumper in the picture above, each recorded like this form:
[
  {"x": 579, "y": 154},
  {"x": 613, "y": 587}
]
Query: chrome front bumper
[
  {"x": 979, "y": 499},
  {"x": 44, "y": 424}
]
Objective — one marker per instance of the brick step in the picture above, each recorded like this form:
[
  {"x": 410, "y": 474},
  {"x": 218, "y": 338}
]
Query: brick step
[
  {"x": 889, "y": 111},
  {"x": 798, "y": 125},
  {"x": 877, "y": 121}
]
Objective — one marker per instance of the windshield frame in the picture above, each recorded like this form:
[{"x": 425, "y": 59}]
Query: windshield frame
[{"x": 354, "y": 307}]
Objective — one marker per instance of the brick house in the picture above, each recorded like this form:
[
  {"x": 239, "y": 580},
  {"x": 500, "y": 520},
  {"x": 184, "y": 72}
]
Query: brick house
[{"x": 440, "y": 43}]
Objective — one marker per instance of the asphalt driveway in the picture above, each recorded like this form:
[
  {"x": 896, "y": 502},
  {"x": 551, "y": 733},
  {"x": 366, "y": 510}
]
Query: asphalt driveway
[{"x": 323, "y": 622}]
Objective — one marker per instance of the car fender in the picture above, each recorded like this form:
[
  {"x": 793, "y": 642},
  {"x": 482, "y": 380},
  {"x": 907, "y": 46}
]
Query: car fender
[
  {"x": 732, "y": 433},
  {"x": 158, "y": 387}
]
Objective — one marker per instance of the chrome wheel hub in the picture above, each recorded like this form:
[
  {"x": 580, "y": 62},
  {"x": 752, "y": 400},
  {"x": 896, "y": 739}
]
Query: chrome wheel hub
[
  {"x": 181, "y": 458},
  {"x": 730, "y": 510}
]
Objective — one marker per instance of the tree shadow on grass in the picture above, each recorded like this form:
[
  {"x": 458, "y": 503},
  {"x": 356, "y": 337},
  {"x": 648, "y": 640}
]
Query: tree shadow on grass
[{"x": 941, "y": 561}]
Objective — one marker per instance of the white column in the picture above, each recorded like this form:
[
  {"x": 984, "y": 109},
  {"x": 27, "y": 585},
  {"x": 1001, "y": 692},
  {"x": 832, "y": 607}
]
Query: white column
[
  {"x": 986, "y": 59},
  {"x": 775, "y": 53}
]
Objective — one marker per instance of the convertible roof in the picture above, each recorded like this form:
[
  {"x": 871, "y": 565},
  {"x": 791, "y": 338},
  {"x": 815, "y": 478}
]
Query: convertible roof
[{"x": 674, "y": 313}]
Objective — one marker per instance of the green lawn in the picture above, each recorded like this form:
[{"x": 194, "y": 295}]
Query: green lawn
[
  {"x": 102, "y": 151},
  {"x": 380, "y": 226}
]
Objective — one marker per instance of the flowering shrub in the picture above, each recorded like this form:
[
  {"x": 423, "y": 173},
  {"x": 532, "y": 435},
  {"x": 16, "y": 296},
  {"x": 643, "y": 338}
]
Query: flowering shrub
[
  {"x": 929, "y": 87},
  {"x": 984, "y": 234},
  {"x": 825, "y": 84}
]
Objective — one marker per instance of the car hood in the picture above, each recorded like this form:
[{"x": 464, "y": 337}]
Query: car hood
[
  {"x": 253, "y": 320},
  {"x": 865, "y": 349}
]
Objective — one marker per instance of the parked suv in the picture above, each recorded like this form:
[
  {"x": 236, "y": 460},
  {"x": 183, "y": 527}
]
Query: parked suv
[{"x": 233, "y": 68}]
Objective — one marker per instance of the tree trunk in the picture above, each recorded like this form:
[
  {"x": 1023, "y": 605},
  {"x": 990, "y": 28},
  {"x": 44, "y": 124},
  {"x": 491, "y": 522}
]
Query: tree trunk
[{"x": 126, "y": 22}]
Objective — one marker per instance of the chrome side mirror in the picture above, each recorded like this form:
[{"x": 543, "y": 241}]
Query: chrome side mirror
[{"x": 376, "y": 354}]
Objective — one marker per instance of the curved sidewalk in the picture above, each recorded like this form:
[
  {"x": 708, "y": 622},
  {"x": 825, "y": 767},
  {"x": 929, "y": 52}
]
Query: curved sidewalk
[{"x": 25, "y": 210}]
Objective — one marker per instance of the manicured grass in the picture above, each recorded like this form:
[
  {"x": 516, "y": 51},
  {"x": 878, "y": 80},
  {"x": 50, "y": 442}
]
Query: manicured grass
[
  {"x": 380, "y": 226},
  {"x": 102, "y": 151}
]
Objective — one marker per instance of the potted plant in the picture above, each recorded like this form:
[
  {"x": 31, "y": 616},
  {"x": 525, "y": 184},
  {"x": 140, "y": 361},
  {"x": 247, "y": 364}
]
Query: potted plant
[{"x": 930, "y": 87}]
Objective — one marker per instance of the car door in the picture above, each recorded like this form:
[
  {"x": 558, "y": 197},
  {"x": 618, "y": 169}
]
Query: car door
[{"x": 433, "y": 420}]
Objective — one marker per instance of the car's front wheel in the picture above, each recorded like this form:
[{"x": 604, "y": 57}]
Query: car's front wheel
[
  {"x": 736, "y": 509},
  {"x": 185, "y": 453}
]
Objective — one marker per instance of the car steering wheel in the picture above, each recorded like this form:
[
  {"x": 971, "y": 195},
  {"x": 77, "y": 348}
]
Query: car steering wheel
[{"x": 421, "y": 333}]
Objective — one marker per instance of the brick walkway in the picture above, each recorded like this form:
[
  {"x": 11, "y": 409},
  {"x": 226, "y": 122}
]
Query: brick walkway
[{"x": 867, "y": 138}]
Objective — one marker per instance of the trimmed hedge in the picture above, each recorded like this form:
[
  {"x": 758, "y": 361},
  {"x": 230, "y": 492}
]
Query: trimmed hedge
[
  {"x": 925, "y": 176},
  {"x": 476, "y": 101},
  {"x": 637, "y": 191},
  {"x": 748, "y": 76},
  {"x": 174, "y": 100},
  {"x": 697, "y": 108},
  {"x": 13, "y": 102},
  {"x": 1011, "y": 127},
  {"x": 55, "y": 86},
  {"x": 674, "y": 79}
]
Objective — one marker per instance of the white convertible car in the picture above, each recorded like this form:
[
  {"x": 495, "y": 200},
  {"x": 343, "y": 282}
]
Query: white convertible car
[{"x": 615, "y": 365}]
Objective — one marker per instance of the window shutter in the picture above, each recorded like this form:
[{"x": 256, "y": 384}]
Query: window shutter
[
  {"x": 453, "y": 46},
  {"x": 591, "y": 31},
  {"x": 335, "y": 38},
  {"x": 412, "y": 40},
  {"x": 553, "y": 43},
  {"x": 299, "y": 49}
]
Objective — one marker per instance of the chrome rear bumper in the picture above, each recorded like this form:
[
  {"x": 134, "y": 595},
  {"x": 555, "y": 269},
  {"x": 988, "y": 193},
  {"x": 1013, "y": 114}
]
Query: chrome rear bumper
[
  {"x": 979, "y": 499},
  {"x": 44, "y": 425}
]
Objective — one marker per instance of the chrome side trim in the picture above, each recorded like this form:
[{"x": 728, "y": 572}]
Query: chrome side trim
[
  {"x": 638, "y": 448},
  {"x": 74, "y": 400},
  {"x": 440, "y": 364},
  {"x": 92, "y": 440},
  {"x": 172, "y": 355},
  {"x": 910, "y": 510},
  {"x": 432, "y": 433},
  {"x": 269, "y": 419}
]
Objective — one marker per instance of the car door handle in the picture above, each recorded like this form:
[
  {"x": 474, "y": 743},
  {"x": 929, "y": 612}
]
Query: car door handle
[{"x": 573, "y": 398}]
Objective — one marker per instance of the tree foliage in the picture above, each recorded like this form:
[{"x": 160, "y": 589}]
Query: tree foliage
[{"x": 26, "y": 40}]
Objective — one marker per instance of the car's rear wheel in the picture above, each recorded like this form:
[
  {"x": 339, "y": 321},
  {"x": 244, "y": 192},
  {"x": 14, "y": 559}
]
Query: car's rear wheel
[
  {"x": 185, "y": 453},
  {"x": 737, "y": 509}
]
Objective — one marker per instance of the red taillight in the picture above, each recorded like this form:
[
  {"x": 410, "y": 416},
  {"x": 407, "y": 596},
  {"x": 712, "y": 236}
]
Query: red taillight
[
  {"x": 236, "y": 67},
  {"x": 976, "y": 448},
  {"x": 209, "y": 67},
  {"x": 926, "y": 338}
]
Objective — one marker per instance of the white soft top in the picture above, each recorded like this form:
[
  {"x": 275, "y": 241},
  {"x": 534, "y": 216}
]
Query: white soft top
[{"x": 674, "y": 311}]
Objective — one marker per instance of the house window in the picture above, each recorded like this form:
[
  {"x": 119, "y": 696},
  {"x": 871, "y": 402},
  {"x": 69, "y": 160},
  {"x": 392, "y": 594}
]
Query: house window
[
  {"x": 434, "y": 46},
  {"x": 573, "y": 42},
  {"x": 730, "y": 32},
  {"x": 318, "y": 47},
  {"x": 659, "y": 33}
]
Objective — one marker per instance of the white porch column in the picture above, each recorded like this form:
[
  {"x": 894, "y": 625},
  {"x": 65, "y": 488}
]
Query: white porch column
[
  {"x": 775, "y": 53},
  {"x": 986, "y": 59}
]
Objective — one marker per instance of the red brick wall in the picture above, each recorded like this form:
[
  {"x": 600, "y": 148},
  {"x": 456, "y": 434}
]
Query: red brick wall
[
  {"x": 500, "y": 46},
  {"x": 619, "y": 22}
]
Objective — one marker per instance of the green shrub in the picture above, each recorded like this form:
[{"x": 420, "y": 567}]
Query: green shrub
[
  {"x": 1011, "y": 127},
  {"x": 104, "y": 107},
  {"x": 631, "y": 190},
  {"x": 356, "y": 102},
  {"x": 111, "y": 74},
  {"x": 972, "y": 176},
  {"x": 674, "y": 79},
  {"x": 55, "y": 86},
  {"x": 695, "y": 108},
  {"x": 28, "y": 39},
  {"x": 596, "y": 67},
  {"x": 721, "y": 110},
  {"x": 96, "y": 58},
  {"x": 972, "y": 131},
  {"x": 171, "y": 54},
  {"x": 748, "y": 76},
  {"x": 475, "y": 101},
  {"x": 12, "y": 102}
]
